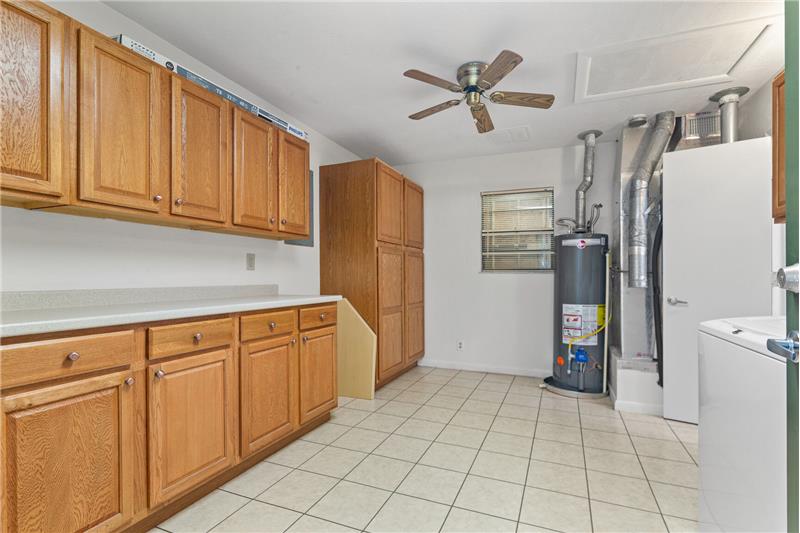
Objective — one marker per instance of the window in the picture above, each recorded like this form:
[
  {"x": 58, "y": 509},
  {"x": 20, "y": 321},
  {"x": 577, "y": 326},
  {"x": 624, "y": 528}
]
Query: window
[{"x": 517, "y": 230}]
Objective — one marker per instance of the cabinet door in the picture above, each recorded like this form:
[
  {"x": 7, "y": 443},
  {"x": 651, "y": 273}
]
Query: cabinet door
[
  {"x": 255, "y": 172},
  {"x": 389, "y": 204},
  {"x": 32, "y": 95},
  {"x": 414, "y": 305},
  {"x": 118, "y": 125},
  {"x": 200, "y": 156},
  {"x": 413, "y": 214},
  {"x": 268, "y": 391},
  {"x": 293, "y": 186},
  {"x": 317, "y": 373},
  {"x": 190, "y": 422},
  {"x": 69, "y": 456},
  {"x": 390, "y": 311},
  {"x": 779, "y": 149}
]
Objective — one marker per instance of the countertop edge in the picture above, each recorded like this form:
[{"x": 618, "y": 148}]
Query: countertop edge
[{"x": 184, "y": 310}]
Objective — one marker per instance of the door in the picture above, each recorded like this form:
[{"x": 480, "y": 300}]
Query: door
[
  {"x": 255, "y": 171},
  {"x": 293, "y": 184},
  {"x": 717, "y": 228},
  {"x": 792, "y": 195},
  {"x": 32, "y": 95},
  {"x": 317, "y": 373},
  {"x": 118, "y": 125},
  {"x": 190, "y": 422},
  {"x": 389, "y": 204},
  {"x": 268, "y": 401},
  {"x": 414, "y": 305},
  {"x": 390, "y": 312},
  {"x": 69, "y": 456},
  {"x": 414, "y": 227},
  {"x": 200, "y": 155}
]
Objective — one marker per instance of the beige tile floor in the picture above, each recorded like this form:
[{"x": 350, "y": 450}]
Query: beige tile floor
[{"x": 454, "y": 451}]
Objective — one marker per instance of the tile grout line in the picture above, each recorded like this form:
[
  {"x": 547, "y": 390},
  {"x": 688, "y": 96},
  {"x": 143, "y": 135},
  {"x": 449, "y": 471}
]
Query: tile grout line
[
  {"x": 530, "y": 458},
  {"x": 585, "y": 473}
]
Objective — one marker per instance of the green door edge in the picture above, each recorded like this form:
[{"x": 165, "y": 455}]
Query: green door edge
[{"x": 792, "y": 224}]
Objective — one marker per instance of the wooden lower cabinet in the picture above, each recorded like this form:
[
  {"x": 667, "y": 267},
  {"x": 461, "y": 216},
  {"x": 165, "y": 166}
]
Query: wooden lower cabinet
[
  {"x": 68, "y": 456},
  {"x": 190, "y": 422},
  {"x": 268, "y": 398},
  {"x": 317, "y": 373}
]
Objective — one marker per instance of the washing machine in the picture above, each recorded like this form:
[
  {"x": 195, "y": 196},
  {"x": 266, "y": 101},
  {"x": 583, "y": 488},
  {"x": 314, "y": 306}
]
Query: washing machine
[{"x": 742, "y": 425}]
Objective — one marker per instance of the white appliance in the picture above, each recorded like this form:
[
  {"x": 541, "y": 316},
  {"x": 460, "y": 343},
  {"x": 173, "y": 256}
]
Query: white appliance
[
  {"x": 742, "y": 426},
  {"x": 717, "y": 252}
]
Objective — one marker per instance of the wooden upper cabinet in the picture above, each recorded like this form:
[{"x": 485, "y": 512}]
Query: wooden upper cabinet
[
  {"x": 68, "y": 456},
  {"x": 413, "y": 221},
  {"x": 255, "y": 171},
  {"x": 389, "y": 191},
  {"x": 293, "y": 184},
  {"x": 268, "y": 400},
  {"x": 32, "y": 60},
  {"x": 119, "y": 127},
  {"x": 190, "y": 422},
  {"x": 317, "y": 373},
  {"x": 390, "y": 311},
  {"x": 200, "y": 152},
  {"x": 779, "y": 149},
  {"x": 414, "y": 304}
]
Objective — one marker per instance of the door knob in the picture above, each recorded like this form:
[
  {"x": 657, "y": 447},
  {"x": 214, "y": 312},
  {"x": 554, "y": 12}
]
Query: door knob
[
  {"x": 788, "y": 348},
  {"x": 674, "y": 301},
  {"x": 789, "y": 278}
]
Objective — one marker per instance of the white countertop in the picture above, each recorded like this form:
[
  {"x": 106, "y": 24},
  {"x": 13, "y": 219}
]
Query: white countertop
[{"x": 46, "y": 319}]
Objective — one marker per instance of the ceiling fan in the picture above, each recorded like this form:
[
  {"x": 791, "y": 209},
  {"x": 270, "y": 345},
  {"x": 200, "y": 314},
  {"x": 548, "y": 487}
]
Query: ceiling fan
[{"x": 474, "y": 79}]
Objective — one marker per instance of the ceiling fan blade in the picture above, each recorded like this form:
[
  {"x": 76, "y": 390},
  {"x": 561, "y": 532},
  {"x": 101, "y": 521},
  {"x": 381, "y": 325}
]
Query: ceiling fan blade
[
  {"x": 499, "y": 68},
  {"x": 482, "y": 119},
  {"x": 542, "y": 101},
  {"x": 433, "y": 80},
  {"x": 435, "y": 109}
]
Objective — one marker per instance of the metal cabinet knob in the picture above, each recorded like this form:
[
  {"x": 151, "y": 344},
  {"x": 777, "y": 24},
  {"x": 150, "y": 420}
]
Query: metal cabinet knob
[
  {"x": 273, "y": 325},
  {"x": 197, "y": 337},
  {"x": 322, "y": 316},
  {"x": 305, "y": 338},
  {"x": 73, "y": 356},
  {"x": 130, "y": 381},
  {"x": 179, "y": 201},
  {"x": 294, "y": 341},
  {"x": 160, "y": 374},
  {"x": 157, "y": 198},
  {"x": 283, "y": 221},
  {"x": 271, "y": 220}
]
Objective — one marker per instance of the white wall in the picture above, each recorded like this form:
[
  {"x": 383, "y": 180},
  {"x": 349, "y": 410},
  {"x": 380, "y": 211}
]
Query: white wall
[
  {"x": 505, "y": 320},
  {"x": 52, "y": 251}
]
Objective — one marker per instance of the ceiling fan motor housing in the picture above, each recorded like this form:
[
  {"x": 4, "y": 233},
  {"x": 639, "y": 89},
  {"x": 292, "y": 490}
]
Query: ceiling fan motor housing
[{"x": 467, "y": 76}]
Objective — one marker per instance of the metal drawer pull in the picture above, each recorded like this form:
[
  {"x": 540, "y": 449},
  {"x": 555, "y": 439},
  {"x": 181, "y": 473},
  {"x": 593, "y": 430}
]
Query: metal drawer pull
[
  {"x": 271, "y": 220},
  {"x": 179, "y": 201},
  {"x": 273, "y": 325},
  {"x": 197, "y": 337},
  {"x": 157, "y": 198},
  {"x": 294, "y": 341},
  {"x": 130, "y": 381},
  {"x": 305, "y": 338},
  {"x": 283, "y": 221},
  {"x": 160, "y": 374},
  {"x": 73, "y": 356},
  {"x": 322, "y": 316}
]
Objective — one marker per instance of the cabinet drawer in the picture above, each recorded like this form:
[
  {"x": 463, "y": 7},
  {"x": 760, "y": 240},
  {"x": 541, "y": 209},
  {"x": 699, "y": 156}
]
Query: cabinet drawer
[
  {"x": 315, "y": 317},
  {"x": 268, "y": 324},
  {"x": 33, "y": 362},
  {"x": 163, "y": 341}
]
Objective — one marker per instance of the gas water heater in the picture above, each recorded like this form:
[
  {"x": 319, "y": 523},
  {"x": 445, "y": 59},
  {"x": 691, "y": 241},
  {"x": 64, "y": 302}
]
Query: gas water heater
[{"x": 580, "y": 314}]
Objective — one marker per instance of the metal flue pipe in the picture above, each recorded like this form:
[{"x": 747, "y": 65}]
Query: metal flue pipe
[
  {"x": 728, "y": 100},
  {"x": 589, "y": 139},
  {"x": 638, "y": 201}
]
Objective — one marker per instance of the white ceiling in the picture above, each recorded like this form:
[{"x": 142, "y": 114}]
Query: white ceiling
[{"x": 338, "y": 66}]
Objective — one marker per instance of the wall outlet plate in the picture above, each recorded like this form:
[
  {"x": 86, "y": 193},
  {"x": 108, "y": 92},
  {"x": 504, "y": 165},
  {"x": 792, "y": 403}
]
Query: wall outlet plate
[{"x": 251, "y": 261}]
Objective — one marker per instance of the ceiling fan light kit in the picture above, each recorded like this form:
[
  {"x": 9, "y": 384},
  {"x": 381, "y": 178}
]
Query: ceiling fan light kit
[{"x": 474, "y": 78}]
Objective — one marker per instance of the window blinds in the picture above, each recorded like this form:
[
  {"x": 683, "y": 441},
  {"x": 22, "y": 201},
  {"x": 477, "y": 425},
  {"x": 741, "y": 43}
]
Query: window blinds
[{"x": 517, "y": 230}]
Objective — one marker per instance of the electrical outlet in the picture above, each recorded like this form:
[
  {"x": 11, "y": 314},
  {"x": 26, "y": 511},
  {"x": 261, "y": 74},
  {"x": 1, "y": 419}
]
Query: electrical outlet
[
  {"x": 251, "y": 261},
  {"x": 460, "y": 345}
]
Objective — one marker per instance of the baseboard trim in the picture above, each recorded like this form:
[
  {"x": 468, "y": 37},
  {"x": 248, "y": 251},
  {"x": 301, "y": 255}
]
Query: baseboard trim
[{"x": 495, "y": 369}]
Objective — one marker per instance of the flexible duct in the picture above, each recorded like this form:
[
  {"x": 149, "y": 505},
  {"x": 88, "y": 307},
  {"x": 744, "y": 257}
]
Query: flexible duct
[
  {"x": 639, "y": 194},
  {"x": 589, "y": 139}
]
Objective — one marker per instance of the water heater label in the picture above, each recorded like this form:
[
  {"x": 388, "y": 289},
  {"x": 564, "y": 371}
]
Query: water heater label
[
  {"x": 582, "y": 243},
  {"x": 580, "y": 320}
]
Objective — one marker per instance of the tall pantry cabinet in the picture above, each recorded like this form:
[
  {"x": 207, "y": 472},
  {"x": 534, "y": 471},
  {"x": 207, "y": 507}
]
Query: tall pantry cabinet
[{"x": 371, "y": 252}]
